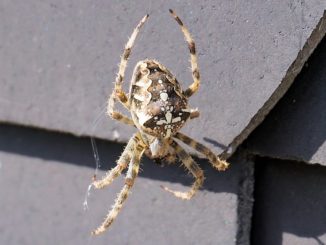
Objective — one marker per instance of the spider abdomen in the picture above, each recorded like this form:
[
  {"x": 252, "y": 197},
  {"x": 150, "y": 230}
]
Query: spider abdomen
[{"x": 159, "y": 106}]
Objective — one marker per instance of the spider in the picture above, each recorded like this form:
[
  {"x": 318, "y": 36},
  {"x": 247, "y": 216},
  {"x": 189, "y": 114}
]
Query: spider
[{"x": 159, "y": 109}]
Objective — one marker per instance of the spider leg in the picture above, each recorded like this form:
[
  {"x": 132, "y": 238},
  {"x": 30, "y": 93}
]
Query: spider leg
[
  {"x": 123, "y": 63},
  {"x": 194, "y": 113},
  {"x": 193, "y": 168},
  {"x": 118, "y": 93},
  {"x": 115, "y": 114},
  {"x": 121, "y": 164},
  {"x": 217, "y": 163},
  {"x": 170, "y": 158},
  {"x": 132, "y": 173},
  {"x": 193, "y": 57}
]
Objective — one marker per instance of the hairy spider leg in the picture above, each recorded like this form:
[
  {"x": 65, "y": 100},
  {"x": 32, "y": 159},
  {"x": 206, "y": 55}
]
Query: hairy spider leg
[
  {"x": 115, "y": 114},
  {"x": 132, "y": 173},
  {"x": 193, "y": 88},
  {"x": 193, "y": 168},
  {"x": 122, "y": 163},
  {"x": 216, "y": 162},
  {"x": 194, "y": 113},
  {"x": 118, "y": 92}
]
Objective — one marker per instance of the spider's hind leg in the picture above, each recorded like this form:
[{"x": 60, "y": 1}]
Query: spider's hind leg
[
  {"x": 217, "y": 163},
  {"x": 193, "y": 168},
  {"x": 122, "y": 163},
  {"x": 132, "y": 173}
]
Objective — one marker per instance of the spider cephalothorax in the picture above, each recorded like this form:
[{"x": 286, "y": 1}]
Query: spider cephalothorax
[{"x": 159, "y": 109}]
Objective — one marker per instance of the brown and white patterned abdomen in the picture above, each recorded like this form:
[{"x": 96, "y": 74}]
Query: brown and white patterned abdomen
[{"x": 160, "y": 107}]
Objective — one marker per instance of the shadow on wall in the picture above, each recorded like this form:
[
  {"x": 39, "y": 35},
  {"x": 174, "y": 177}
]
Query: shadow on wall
[
  {"x": 69, "y": 149},
  {"x": 295, "y": 128},
  {"x": 290, "y": 197}
]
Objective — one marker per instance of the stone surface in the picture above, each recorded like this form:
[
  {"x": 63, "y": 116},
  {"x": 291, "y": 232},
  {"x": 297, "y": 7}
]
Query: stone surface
[
  {"x": 290, "y": 201},
  {"x": 44, "y": 178},
  {"x": 296, "y": 127},
  {"x": 58, "y": 60}
]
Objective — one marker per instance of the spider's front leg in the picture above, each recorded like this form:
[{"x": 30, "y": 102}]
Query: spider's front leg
[
  {"x": 132, "y": 173},
  {"x": 118, "y": 93},
  {"x": 193, "y": 168},
  {"x": 217, "y": 163},
  {"x": 193, "y": 88}
]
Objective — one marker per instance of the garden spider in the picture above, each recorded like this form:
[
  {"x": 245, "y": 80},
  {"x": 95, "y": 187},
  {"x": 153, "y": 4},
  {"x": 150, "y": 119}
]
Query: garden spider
[{"x": 158, "y": 108}]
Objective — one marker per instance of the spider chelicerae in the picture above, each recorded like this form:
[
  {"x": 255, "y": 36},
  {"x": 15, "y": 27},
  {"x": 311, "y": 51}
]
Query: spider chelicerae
[{"x": 159, "y": 109}]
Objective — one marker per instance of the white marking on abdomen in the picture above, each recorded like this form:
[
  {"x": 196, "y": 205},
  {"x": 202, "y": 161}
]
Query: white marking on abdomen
[
  {"x": 164, "y": 96},
  {"x": 168, "y": 117},
  {"x": 161, "y": 122},
  {"x": 139, "y": 97},
  {"x": 177, "y": 119},
  {"x": 143, "y": 117},
  {"x": 144, "y": 84}
]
